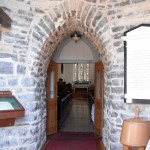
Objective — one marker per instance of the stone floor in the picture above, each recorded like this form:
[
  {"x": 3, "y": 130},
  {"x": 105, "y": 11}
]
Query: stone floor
[{"x": 78, "y": 118}]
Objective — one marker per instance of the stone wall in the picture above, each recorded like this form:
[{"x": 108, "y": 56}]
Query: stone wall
[{"x": 37, "y": 29}]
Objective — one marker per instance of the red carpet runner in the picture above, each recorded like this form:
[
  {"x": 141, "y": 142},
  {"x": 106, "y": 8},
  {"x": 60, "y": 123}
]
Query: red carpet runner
[{"x": 72, "y": 141}]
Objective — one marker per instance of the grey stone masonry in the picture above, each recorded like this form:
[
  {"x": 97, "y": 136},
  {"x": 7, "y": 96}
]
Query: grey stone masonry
[
  {"x": 38, "y": 27},
  {"x": 96, "y": 18},
  {"x": 90, "y": 16},
  {"x": 85, "y": 12},
  {"x": 6, "y": 68}
]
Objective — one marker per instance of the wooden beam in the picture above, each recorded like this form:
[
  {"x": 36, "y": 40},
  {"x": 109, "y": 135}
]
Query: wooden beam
[{"x": 5, "y": 20}]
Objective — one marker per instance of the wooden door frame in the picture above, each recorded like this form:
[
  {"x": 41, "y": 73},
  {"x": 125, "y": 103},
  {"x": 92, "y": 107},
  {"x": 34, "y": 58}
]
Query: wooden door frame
[
  {"x": 52, "y": 66},
  {"x": 99, "y": 142}
]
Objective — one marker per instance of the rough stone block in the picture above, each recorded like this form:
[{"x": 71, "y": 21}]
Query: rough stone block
[
  {"x": 27, "y": 97},
  {"x": 105, "y": 29},
  {"x": 85, "y": 12},
  {"x": 90, "y": 16},
  {"x": 58, "y": 14},
  {"x": 21, "y": 69},
  {"x": 7, "y": 55},
  {"x": 22, "y": 59},
  {"x": 113, "y": 1},
  {"x": 43, "y": 26},
  {"x": 21, "y": 42},
  {"x": 114, "y": 115},
  {"x": 53, "y": 16},
  {"x": 81, "y": 4},
  {"x": 115, "y": 82},
  {"x": 66, "y": 6},
  {"x": 39, "y": 31},
  {"x": 119, "y": 121},
  {"x": 117, "y": 28},
  {"x": 34, "y": 130},
  {"x": 28, "y": 82},
  {"x": 118, "y": 35},
  {"x": 6, "y": 68},
  {"x": 117, "y": 90},
  {"x": 128, "y": 27},
  {"x": 2, "y": 83},
  {"x": 32, "y": 107},
  {"x": 8, "y": 40},
  {"x": 93, "y": 1},
  {"x": 101, "y": 23},
  {"x": 137, "y": 1},
  {"x": 37, "y": 37},
  {"x": 123, "y": 3},
  {"x": 115, "y": 146},
  {"x": 125, "y": 116},
  {"x": 39, "y": 10},
  {"x": 12, "y": 82},
  {"x": 18, "y": 132},
  {"x": 27, "y": 140},
  {"x": 118, "y": 105},
  {"x": 120, "y": 50},
  {"x": 146, "y": 12},
  {"x": 113, "y": 12},
  {"x": 117, "y": 43},
  {"x": 23, "y": 12},
  {"x": 96, "y": 18},
  {"x": 49, "y": 23},
  {"x": 22, "y": 148}
]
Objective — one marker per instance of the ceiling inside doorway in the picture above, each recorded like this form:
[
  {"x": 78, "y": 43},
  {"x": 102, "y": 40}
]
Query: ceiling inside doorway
[{"x": 70, "y": 51}]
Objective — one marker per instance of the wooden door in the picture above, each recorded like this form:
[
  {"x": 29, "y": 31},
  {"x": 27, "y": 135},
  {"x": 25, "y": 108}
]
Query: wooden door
[
  {"x": 51, "y": 98},
  {"x": 98, "y": 101}
]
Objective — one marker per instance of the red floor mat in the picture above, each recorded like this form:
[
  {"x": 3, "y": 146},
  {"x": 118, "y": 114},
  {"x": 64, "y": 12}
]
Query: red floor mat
[{"x": 72, "y": 141}]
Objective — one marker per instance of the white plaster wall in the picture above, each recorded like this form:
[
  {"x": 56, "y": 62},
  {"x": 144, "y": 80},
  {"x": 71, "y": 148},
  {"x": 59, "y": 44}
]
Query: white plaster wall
[
  {"x": 59, "y": 71},
  {"x": 68, "y": 73},
  {"x": 76, "y": 51}
]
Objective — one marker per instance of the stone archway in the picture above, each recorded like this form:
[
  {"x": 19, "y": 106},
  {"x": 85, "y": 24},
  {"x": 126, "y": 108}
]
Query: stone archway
[
  {"x": 93, "y": 24},
  {"x": 47, "y": 35},
  {"x": 49, "y": 31}
]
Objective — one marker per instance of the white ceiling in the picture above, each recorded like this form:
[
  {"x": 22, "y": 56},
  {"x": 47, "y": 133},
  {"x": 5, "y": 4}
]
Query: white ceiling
[{"x": 70, "y": 52}]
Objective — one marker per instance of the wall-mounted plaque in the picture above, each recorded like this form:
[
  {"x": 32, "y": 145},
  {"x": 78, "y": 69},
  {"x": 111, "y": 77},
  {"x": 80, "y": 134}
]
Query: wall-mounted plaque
[
  {"x": 137, "y": 64},
  {"x": 10, "y": 108}
]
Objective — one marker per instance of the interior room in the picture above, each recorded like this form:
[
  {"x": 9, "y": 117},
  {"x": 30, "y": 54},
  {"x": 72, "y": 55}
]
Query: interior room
[
  {"x": 75, "y": 72},
  {"x": 75, "y": 59},
  {"x": 71, "y": 86}
]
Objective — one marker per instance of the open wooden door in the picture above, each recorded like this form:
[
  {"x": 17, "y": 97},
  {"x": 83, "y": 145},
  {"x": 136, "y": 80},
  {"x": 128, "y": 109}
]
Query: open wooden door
[
  {"x": 98, "y": 102},
  {"x": 51, "y": 98}
]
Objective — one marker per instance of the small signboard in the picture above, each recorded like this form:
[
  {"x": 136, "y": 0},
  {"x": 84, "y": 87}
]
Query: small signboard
[{"x": 10, "y": 108}]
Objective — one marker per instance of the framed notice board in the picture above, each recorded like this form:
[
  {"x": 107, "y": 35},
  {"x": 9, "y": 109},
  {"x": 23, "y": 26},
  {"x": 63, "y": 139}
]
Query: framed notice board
[
  {"x": 137, "y": 64},
  {"x": 10, "y": 109}
]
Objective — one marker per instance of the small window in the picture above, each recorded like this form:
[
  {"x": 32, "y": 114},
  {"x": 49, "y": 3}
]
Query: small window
[{"x": 81, "y": 72}]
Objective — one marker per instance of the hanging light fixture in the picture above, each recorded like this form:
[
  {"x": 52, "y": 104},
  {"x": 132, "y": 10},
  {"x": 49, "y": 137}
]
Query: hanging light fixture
[{"x": 76, "y": 36}]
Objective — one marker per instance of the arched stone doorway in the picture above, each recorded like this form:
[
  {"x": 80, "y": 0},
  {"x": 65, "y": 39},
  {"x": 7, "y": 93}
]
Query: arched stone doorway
[{"x": 50, "y": 34}]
